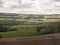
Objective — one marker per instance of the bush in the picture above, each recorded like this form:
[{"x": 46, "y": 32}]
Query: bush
[
  {"x": 0, "y": 36},
  {"x": 49, "y": 28},
  {"x": 3, "y": 29},
  {"x": 6, "y": 28}
]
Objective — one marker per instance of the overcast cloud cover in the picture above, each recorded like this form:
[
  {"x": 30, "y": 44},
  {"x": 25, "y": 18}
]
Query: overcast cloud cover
[{"x": 30, "y": 6}]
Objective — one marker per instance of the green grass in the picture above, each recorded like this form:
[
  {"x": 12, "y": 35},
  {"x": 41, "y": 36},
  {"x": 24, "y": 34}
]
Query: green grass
[{"x": 22, "y": 30}]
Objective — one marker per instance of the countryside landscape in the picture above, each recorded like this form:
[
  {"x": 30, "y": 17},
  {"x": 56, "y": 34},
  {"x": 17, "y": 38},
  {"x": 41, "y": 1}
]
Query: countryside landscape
[
  {"x": 29, "y": 29},
  {"x": 12, "y": 25}
]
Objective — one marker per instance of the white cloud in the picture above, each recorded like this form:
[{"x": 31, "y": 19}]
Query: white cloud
[{"x": 30, "y": 6}]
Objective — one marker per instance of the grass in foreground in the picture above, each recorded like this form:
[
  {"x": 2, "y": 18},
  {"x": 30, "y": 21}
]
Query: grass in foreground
[
  {"x": 32, "y": 30},
  {"x": 22, "y": 30}
]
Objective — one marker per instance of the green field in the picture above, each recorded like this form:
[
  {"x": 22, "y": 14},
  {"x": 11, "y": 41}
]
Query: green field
[
  {"x": 26, "y": 25},
  {"x": 22, "y": 30},
  {"x": 30, "y": 30}
]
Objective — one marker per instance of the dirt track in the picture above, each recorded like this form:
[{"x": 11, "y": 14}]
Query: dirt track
[{"x": 51, "y": 39}]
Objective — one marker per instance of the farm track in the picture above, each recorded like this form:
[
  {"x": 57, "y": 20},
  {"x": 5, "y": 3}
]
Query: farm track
[{"x": 50, "y": 39}]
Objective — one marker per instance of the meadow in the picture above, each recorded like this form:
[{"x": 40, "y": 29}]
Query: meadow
[
  {"x": 22, "y": 30},
  {"x": 30, "y": 30},
  {"x": 27, "y": 25}
]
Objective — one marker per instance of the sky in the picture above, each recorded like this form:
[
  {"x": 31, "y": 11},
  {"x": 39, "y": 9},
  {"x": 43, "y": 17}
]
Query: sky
[{"x": 30, "y": 6}]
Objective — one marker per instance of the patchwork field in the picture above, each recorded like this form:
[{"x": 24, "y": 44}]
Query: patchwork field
[{"x": 12, "y": 25}]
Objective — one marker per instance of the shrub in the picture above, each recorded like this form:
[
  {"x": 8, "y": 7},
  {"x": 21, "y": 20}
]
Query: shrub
[
  {"x": 6, "y": 28},
  {"x": 0, "y": 36},
  {"x": 49, "y": 28}
]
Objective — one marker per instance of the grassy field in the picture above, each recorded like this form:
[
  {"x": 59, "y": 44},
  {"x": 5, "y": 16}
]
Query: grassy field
[
  {"x": 26, "y": 25},
  {"x": 22, "y": 30}
]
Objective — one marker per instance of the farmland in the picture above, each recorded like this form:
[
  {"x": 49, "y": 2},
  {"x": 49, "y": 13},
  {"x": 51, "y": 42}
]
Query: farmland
[
  {"x": 22, "y": 30},
  {"x": 12, "y": 25}
]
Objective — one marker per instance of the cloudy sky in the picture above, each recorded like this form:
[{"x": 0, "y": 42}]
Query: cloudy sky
[{"x": 30, "y": 6}]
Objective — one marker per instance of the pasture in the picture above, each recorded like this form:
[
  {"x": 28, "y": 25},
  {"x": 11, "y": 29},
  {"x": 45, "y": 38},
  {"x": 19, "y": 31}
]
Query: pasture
[
  {"x": 22, "y": 30},
  {"x": 27, "y": 25}
]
